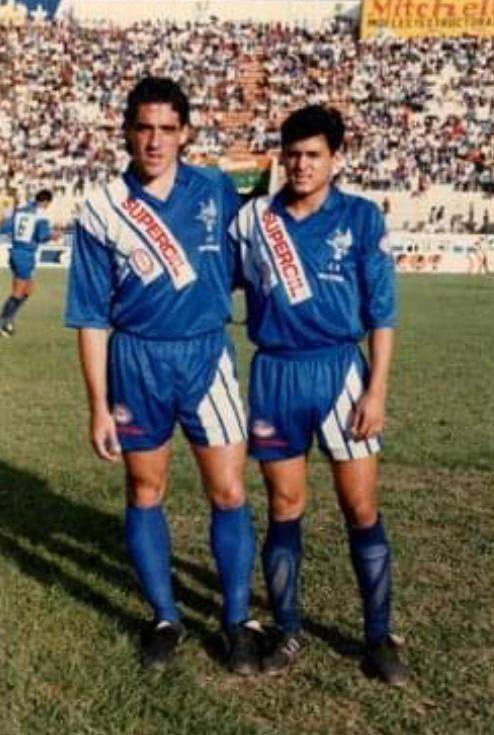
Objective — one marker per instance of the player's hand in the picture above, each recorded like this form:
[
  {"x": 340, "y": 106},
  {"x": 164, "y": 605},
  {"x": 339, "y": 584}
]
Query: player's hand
[
  {"x": 369, "y": 416},
  {"x": 104, "y": 437}
]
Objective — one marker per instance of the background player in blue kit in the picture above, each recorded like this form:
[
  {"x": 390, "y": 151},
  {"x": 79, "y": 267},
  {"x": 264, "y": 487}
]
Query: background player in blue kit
[
  {"x": 151, "y": 264},
  {"x": 318, "y": 278},
  {"x": 28, "y": 227}
]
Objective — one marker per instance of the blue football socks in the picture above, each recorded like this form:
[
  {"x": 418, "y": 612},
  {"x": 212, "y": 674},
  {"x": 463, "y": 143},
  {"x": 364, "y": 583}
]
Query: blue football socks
[
  {"x": 234, "y": 548},
  {"x": 10, "y": 308},
  {"x": 148, "y": 542},
  {"x": 371, "y": 558},
  {"x": 281, "y": 557}
]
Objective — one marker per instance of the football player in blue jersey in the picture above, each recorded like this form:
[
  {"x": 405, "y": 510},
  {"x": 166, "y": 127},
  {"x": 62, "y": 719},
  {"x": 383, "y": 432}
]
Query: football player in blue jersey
[
  {"x": 149, "y": 292},
  {"x": 319, "y": 277},
  {"x": 28, "y": 227}
]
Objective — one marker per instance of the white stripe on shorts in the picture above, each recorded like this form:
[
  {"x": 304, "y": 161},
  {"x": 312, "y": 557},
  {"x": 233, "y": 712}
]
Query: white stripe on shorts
[
  {"x": 210, "y": 421},
  {"x": 354, "y": 383},
  {"x": 356, "y": 388},
  {"x": 340, "y": 447},
  {"x": 374, "y": 445},
  {"x": 334, "y": 438},
  {"x": 221, "y": 411},
  {"x": 233, "y": 390},
  {"x": 344, "y": 411}
]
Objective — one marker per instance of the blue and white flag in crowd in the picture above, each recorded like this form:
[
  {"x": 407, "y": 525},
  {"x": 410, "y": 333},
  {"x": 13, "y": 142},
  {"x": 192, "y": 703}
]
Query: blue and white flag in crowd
[{"x": 41, "y": 9}]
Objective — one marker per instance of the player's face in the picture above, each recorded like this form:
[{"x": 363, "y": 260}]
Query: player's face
[
  {"x": 155, "y": 139},
  {"x": 310, "y": 165}
]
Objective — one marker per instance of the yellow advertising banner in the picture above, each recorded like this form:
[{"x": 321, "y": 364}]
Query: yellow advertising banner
[{"x": 419, "y": 18}]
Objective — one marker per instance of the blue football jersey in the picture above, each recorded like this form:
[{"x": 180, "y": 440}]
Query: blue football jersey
[
  {"x": 318, "y": 281},
  {"x": 157, "y": 269},
  {"x": 28, "y": 227}
]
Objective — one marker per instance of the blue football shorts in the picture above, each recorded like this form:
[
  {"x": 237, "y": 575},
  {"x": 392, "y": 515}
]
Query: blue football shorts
[
  {"x": 22, "y": 262},
  {"x": 153, "y": 385},
  {"x": 293, "y": 396}
]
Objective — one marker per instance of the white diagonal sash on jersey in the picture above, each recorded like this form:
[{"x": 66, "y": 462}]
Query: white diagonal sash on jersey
[
  {"x": 159, "y": 239},
  {"x": 284, "y": 255}
]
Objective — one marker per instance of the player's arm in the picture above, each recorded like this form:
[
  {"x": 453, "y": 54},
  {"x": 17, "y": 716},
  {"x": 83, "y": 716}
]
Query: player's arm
[
  {"x": 88, "y": 310},
  {"x": 370, "y": 413},
  {"x": 93, "y": 354},
  {"x": 378, "y": 299}
]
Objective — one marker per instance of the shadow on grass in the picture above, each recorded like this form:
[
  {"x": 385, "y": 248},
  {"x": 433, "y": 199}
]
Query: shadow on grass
[
  {"x": 80, "y": 550},
  {"x": 344, "y": 645}
]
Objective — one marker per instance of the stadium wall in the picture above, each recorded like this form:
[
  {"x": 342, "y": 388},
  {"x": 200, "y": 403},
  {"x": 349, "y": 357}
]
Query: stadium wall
[{"x": 413, "y": 253}]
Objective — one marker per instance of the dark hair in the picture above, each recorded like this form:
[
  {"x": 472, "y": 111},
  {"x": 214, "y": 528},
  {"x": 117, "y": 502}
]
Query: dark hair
[
  {"x": 44, "y": 195},
  {"x": 314, "y": 120},
  {"x": 156, "y": 89}
]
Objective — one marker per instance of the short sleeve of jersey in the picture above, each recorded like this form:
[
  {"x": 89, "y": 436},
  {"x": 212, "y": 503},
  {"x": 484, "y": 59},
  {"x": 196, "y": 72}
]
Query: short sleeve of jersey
[
  {"x": 377, "y": 272},
  {"x": 90, "y": 277}
]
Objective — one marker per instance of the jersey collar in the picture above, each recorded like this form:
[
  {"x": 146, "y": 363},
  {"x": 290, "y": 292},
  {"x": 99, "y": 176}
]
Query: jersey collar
[
  {"x": 139, "y": 192},
  {"x": 332, "y": 202}
]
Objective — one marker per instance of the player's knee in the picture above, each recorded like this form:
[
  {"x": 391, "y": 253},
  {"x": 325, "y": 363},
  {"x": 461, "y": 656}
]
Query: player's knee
[
  {"x": 144, "y": 494},
  {"x": 286, "y": 506},
  {"x": 228, "y": 497},
  {"x": 361, "y": 514}
]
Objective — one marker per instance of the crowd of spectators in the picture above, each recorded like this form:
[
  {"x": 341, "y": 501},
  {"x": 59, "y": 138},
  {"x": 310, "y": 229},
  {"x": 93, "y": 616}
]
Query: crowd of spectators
[{"x": 419, "y": 112}]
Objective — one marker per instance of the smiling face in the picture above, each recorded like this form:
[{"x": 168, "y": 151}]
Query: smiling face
[
  {"x": 154, "y": 140},
  {"x": 310, "y": 166}
]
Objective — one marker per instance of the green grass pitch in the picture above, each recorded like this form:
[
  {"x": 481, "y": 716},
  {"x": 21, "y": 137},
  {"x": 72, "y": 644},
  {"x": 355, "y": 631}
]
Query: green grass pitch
[{"x": 69, "y": 609}]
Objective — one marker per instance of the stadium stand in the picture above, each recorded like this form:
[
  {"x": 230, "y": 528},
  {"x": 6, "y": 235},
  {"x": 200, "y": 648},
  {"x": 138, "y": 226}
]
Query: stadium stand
[{"x": 420, "y": 111}]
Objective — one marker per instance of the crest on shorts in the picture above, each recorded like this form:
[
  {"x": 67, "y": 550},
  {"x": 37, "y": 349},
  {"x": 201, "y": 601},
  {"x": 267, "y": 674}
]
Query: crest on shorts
[
  {"x": 121, "y": 414},
  {"x": 262, "y": 429}
]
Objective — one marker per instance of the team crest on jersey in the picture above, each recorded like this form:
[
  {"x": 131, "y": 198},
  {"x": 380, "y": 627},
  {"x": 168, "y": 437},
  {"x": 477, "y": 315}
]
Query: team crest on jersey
[
  {"x": 121, "y": 414},
  {"x": 208, "y": 215},
  {"x": 341, "y": 242}
]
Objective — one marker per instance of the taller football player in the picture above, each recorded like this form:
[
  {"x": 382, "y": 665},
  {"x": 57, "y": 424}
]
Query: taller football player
[{"x": 150, "y": 294}]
